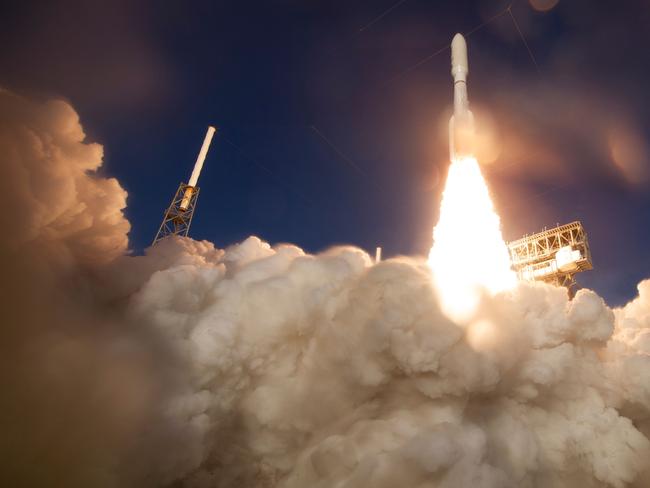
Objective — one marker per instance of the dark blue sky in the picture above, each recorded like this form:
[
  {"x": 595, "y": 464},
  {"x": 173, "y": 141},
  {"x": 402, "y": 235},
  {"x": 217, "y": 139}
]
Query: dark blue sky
[{"x": 279, "y": 78}]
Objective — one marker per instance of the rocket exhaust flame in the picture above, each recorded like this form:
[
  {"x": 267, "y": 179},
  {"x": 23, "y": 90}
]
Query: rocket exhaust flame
[
  {"x": 469, "y": 254},
  {"x": 463, "y": 268}
]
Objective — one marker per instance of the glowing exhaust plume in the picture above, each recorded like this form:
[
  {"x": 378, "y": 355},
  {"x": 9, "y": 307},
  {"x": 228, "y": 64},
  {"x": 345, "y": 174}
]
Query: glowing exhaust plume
[{"x": 469, "y": 254}]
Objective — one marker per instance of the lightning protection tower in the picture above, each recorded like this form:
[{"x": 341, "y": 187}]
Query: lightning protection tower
[{"x": 179, "y": 214}]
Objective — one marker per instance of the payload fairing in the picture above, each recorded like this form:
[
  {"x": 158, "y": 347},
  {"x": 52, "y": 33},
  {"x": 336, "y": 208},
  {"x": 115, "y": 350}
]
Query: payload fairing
[{"x": 461, "y": 124}]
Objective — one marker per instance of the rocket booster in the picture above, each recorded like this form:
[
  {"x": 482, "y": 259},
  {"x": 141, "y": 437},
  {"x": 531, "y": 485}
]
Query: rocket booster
[{"x": 461, "y": 124}]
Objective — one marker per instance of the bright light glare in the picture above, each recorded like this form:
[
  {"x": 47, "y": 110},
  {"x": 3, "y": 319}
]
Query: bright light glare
[
  {"x": 469, "y": 254},
  {"x": 482, "y": 335}
]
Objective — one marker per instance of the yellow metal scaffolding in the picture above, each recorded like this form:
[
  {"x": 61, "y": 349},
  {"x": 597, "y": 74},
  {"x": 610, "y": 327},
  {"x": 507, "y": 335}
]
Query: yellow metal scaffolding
[{"x": 553, "y": 255}]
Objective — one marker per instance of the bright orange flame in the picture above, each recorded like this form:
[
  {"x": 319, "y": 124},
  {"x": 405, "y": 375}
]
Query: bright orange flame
[{"x": 469, "y": 254}]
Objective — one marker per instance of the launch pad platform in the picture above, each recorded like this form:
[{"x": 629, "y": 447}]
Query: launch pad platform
[{"x": 553, "y": 255}]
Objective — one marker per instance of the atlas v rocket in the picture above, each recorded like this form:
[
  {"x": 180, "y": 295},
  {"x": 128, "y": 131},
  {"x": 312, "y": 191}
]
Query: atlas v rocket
[{"x": 461, "y": 124}]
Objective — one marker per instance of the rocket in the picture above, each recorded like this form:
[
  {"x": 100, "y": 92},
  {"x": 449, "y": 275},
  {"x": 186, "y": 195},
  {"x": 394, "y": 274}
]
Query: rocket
[{"x": 461, "y": 124}]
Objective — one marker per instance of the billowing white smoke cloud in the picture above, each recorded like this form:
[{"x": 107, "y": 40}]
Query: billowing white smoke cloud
[
  {"x": 48, "y": 184},
  {"x": 260, "y": 366},
  {"x": 330, "y": 371},
  {"x": 76, "y": 380}
]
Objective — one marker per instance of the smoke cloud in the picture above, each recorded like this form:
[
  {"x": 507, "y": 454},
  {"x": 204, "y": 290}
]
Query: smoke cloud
[
  {"x": 264, "y": 366},
  {"x": 55, "y": 199}
]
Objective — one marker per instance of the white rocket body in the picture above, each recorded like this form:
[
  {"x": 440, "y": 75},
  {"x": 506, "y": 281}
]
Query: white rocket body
[
  {"x": 198, "y": 166},
  {"x": 461, "y": 124}
]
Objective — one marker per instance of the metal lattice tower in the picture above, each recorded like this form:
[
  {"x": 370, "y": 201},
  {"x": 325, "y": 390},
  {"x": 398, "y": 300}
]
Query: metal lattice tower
[
  {"x": 177, "y": 220},
  {"x": 179, "y": 214},
  {"x": 553, "y": 256}
]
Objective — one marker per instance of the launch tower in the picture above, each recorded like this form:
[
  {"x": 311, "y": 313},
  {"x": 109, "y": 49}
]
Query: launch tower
[
  {"x": 553, "y": 255},
  {"x": 179, "y": 214}
]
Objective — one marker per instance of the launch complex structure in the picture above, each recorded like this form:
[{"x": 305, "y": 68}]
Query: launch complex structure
[
  {"x": 178, "y": 216},
  {"x": 553, "y": 255}
]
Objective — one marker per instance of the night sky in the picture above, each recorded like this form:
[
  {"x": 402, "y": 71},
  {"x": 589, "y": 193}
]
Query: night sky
[{"x": 332, "y": 114}]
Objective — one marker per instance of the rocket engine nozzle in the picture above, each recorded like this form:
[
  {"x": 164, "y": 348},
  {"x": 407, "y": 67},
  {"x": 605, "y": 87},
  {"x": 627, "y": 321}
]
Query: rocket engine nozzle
[{"x": 461, "y": 136}]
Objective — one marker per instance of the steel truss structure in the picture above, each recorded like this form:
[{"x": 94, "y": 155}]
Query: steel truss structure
[
  {"x": 553, "y": 256},
  {"x": 179, "y": 214}
]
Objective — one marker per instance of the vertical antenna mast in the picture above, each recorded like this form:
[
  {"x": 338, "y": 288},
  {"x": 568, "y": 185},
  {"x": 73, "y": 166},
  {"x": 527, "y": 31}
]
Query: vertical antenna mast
[{"x": 179, "y": 214}]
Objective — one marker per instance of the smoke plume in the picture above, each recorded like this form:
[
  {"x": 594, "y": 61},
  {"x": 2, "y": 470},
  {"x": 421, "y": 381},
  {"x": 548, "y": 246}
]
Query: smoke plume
[{"x": 264, "y": 366}]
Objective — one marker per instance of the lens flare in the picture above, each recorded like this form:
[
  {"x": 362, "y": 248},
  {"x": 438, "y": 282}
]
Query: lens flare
[{"x": 469, "y": 255}]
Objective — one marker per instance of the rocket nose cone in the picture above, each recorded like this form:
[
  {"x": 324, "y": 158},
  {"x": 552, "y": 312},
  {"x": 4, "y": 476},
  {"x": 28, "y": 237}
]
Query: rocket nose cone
[
  {"x": 458, "y": 38},
  {"x": 459, "y": 53}
]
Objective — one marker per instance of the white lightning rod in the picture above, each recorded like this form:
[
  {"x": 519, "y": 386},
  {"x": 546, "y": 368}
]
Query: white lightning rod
[
  {"x": 200, "y": 159},
  {"x": 198, "y": 166}
]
